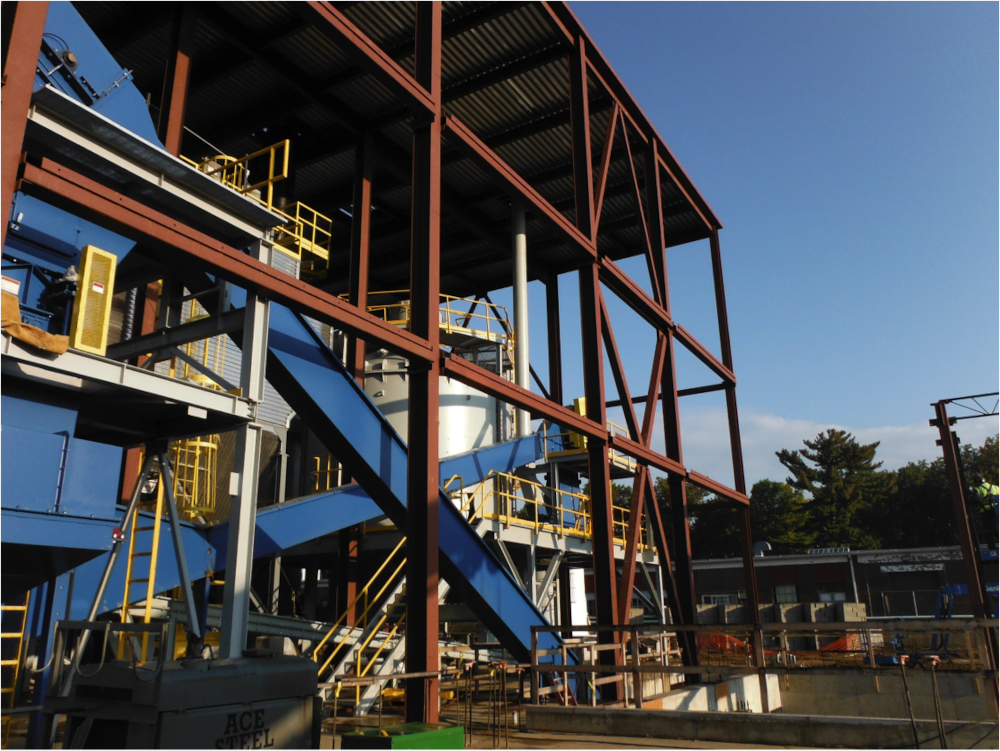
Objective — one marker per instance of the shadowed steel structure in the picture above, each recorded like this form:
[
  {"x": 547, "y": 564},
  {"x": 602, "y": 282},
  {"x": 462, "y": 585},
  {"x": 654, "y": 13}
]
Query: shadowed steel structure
[{"x": 415, "y": 127}]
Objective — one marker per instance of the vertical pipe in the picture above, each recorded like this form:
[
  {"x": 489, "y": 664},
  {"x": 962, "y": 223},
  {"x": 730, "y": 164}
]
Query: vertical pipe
[
  {"x": 521, "y": 349},
  {"x": 423, "y": 479},
  {"x": 19, "y": 64}
]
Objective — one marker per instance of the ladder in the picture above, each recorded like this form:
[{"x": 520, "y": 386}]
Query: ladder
[
  {"x": 12, "y": 639},
  {"x": 137, "y": 574}
]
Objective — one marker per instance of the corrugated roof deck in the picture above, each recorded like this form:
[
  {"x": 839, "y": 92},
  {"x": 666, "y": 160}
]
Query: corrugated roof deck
[{"x": 262, "y": 73}]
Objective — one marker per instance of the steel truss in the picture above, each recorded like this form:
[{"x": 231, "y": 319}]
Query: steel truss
[{"x": 421, "y": 97}]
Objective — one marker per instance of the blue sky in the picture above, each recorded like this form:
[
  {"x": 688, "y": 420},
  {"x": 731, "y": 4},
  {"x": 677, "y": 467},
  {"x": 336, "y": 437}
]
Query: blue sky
[{"x": 851, "y": 152}]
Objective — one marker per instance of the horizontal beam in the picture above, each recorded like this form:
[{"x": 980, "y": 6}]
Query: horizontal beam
[
  {"x": 90, "y": 200},
  {"x": 203, "y": 328},
  {"x": 636, "y": 298},
  {"x": 474, "y": 148},
  {"x": 723, "y": 491},
  {"x": 366, "y": 53}
]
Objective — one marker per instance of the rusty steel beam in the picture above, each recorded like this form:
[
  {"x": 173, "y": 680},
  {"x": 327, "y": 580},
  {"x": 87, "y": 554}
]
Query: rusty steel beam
[
  {"x": 636, "y": 298},
  {"x": 650, "y": 250},
  {"x": 602, "y": 180},
  {"x": 579, "y": 118},
  {"x": 22, "y": 50},
  {"x": 365, "y": 53},
  {"x": 735, "y": 443},
  {"x": 971, "y": 558},
  {"x": 477, "y": 151},
  {"x": 554, "y": 342},
  {"x": 566, "y": 23},
  {"x": 90, "y": 200},
  {"x": 656, "y": 234},
  {"x": 361, "y": 221},
  {"x": 601, "y": 517},
  {"x": 618, "y": 372},
  {"x": 423, "y": 480},
  {"x": 173, "y": 103},
  {"x": 642, "y": 485}
]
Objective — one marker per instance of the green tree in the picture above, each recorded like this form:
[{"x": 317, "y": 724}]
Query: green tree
[
  {"x": 714, "y": 522},
  {"x": 918, "y": 513},
  {"x": 778, "y": 515},
  {"x": 841, "y": 479}
]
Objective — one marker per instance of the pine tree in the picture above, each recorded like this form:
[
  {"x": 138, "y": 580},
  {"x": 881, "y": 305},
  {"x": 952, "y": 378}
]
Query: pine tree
[{"x": 841, "y": 478}]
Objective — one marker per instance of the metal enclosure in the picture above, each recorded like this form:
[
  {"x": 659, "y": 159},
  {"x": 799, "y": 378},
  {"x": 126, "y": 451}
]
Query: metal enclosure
[{"x": 262, "y": 702}]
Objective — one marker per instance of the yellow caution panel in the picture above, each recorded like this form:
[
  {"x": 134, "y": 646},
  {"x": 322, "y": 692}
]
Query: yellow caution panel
[{"x": 92, "y": 307}]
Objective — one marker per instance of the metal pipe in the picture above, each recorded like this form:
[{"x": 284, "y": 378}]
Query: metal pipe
[{"x": 522, "y": 375}]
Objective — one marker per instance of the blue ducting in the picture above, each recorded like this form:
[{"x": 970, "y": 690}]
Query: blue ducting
[{"x": 318, "y": 387}]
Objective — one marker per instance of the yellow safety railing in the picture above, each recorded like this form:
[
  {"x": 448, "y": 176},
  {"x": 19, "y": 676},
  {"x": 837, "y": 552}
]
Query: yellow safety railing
[
  {"x": 517, "y": 502},
  {"x": 554, "y": 445},
  {"x": 360, "y": 595},
  {"x": 306, "y": 235},
  {"x": 328, "y": 473},
  {"x": 458, "y": 315}
]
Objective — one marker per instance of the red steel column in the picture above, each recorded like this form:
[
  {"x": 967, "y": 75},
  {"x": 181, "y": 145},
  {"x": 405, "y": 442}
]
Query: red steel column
[
  {"x": 18, "y": 80},
  {"x": 601, "y": 523},
  {"x": 554, "y": 340},
  {"x": 347, "y": 587},
  {"x": 971, "y": 556},
  {"x": 739, "y": 477},
  {"x": 684, "y": 575},
  {"x": 360, "y": 238},
  {"x": 423, "y": 481},
  {"x": 170, "y": 128}
]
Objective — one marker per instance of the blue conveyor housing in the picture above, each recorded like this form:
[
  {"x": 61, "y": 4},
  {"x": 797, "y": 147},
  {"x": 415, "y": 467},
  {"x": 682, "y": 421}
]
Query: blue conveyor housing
[{"x": 321, "y": 391}]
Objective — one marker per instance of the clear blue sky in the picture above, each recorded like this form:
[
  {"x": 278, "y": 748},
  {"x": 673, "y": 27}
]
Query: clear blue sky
[{"x": 851, "y": 152}]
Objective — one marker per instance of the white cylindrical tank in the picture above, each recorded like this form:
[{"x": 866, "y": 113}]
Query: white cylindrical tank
[{"x": 468, "y": 419}]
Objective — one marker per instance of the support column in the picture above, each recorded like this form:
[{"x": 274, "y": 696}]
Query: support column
[
  {"x": 423, "y": 481},
  {"x": 739, "y": 478},
  {"x": 971, "y": 556},
  {"x": 243, "y": 484},
  {"x": 170, "y": 127},
  {"x": 522, "y": 358},
  {"x": 347, "y": 565},
  {"x": 361, "y": 221},
  {"x": 20, "y": 60},
  {"x": 554, "y": 339}
]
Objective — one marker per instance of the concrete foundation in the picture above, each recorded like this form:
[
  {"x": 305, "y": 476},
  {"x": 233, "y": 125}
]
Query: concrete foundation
[
  {"x": 737, "y": 695},
  {"x": 879, "y": 693},
  {"x": 779, "y": 730}
]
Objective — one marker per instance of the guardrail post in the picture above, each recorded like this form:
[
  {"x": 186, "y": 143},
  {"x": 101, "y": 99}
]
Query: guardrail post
[
  {"x": 534, "y": 667},
  {"x": 636, "y": 673}
]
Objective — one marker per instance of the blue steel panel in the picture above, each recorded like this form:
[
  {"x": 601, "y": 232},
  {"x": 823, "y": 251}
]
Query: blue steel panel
[
  {"x": 473, "y": 466},
  {"x": 38, "y": 416},
  {"x": 122, "y": 103},
  {"x": 90, "y": 486},
  {"x": 291, "y": 524},
  {"x": 316, "y": 385},
  {"x": 31, "y": 462},
  {"x": 55, "y": 531}
]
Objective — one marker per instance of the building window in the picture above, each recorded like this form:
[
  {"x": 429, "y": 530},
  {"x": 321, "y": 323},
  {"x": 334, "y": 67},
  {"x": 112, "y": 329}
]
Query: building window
[
  {"x": 832, "y": 593},
  {"x": 717, "y": 600},
  {"x": 785, "y": 593}
]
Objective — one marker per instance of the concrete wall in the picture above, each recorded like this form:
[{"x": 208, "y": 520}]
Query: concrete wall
[
  {"x": 879, "y": 693},
  {"x": 778, "y": 730},
  {"x": 737, "y": 695}
]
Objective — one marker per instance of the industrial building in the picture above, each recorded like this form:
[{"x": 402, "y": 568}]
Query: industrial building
[{"x": 265, "y": 428}]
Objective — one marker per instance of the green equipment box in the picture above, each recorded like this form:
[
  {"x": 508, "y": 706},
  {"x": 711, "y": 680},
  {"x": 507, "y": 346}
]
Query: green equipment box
[{"x": 410, "y": 735}]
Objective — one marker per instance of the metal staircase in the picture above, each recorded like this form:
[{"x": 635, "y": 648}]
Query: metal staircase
[{"x": 15, "y": 620}]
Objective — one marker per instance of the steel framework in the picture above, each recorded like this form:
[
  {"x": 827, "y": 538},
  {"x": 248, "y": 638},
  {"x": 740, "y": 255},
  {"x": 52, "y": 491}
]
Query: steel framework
[{"x": 629, "y": 164}]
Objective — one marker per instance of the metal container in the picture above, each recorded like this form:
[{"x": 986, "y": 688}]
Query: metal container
[{"x": 261, "y": 702}]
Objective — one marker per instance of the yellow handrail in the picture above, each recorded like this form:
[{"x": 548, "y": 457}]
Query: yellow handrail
[
  {"x": 576, "y": 511},
  {"x": 354, "y": 602}
]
